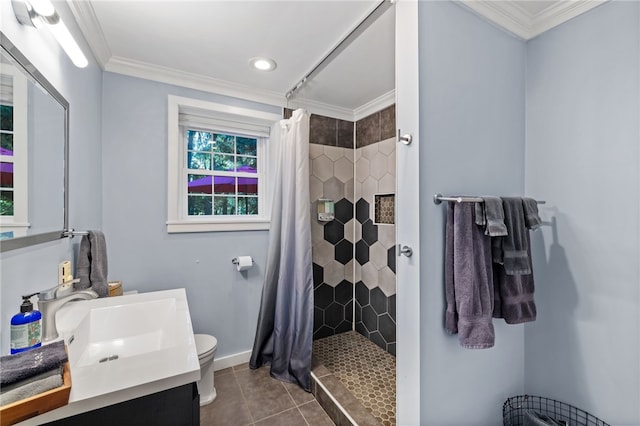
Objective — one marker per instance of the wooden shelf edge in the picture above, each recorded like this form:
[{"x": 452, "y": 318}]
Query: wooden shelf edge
[{"x": 38, "y": 404}]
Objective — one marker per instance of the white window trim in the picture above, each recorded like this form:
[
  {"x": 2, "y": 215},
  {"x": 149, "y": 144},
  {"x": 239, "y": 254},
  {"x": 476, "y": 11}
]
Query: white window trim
[
  {"x": 19, "y": 222},
  {"x": 177, "y": 220}
]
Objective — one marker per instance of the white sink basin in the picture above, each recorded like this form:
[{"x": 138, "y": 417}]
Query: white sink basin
[
  {"x": 142, "y": 342},
  {"x": 117, "y": 332}
]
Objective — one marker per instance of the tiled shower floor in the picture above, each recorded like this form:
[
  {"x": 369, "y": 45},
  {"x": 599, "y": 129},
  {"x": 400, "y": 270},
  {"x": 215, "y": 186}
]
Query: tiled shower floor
[{"x": 366, "y": 370}]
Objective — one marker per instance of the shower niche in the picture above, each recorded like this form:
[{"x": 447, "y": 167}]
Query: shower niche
[{"x": 384, "y": 209}]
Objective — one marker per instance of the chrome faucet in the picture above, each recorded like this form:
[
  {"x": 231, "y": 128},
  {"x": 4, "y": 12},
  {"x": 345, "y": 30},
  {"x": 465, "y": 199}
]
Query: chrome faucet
[{"x": 48, "y": 305}]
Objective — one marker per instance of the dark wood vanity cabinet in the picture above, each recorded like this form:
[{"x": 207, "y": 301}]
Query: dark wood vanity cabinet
[{"x": 178, "y": 406}]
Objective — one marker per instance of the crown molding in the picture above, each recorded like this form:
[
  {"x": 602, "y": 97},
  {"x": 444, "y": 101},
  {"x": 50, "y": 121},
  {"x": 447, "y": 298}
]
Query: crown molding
[
  {"x": 505, "y": 16},
  {"x": 375, "y": 105},
  {"x": 512, "y": 17},
  {"x": 560, "y": 13},
  {"x": 180, "y": 78},
  {"x": 320, "y": 108},
  {"x": 91, "y": 30},
  {"x": 332, "y": 111}
]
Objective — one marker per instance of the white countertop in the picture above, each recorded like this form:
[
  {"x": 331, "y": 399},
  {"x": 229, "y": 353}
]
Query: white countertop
[{"x": 151, "y": 365}]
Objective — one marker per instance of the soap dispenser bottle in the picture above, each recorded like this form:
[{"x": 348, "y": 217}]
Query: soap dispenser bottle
[{"x": 26, "y": 327}]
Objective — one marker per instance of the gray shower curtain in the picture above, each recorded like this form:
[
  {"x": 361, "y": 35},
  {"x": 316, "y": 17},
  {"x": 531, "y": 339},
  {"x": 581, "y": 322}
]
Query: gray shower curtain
[{"x": 285, "y": 323}]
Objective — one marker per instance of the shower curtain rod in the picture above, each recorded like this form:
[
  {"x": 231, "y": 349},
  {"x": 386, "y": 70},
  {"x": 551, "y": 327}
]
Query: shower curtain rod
[
  {"x": 346, "y": 41},
  {"x": 439, "y": 198}
]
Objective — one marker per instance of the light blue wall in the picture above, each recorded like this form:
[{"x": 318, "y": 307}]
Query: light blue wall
[
  {"x": 31, "y": 269},
  {"x": 582, "y": 156},
  {"x": 472, "y": 142},
  {"x": 222, "y": 302}
]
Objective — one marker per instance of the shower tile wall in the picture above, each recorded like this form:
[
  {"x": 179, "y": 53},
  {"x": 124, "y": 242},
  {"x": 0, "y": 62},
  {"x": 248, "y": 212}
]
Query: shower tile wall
[
  {"x": 375, "y": 165},
  {"x": 332, "y": 176},
  {"x": 352, "y": 249}
]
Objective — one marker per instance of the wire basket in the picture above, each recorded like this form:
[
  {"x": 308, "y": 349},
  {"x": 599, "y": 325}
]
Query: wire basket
[{"x": 514, "y": 409}]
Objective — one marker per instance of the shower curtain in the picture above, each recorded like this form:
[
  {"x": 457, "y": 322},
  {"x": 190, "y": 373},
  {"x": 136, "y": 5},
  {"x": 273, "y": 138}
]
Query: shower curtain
[{"x": 285, "y": 323}]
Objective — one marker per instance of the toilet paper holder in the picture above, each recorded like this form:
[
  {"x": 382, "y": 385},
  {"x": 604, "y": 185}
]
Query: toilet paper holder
[{"x": 235, "y": 261}]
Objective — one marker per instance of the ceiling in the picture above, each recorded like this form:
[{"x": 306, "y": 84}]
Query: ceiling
[{"x": 207, "y": 45}]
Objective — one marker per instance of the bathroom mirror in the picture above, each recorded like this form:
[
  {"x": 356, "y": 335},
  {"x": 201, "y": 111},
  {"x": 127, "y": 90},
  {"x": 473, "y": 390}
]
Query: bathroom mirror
[{"x": 33, "y": 154}]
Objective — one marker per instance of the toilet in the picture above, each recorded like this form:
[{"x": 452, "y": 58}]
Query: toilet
[{"x": 206, "y": 347}]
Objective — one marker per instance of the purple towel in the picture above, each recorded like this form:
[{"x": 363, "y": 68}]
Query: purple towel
[{"x": 468, "y": 279}]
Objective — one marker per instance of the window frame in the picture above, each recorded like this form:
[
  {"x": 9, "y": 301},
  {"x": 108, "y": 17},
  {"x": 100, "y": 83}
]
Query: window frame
[{"x": 212, "y": 114}]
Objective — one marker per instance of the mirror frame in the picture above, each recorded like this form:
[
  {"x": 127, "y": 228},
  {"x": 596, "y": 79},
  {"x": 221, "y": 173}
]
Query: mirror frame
[{"x": 30, "y": 240}]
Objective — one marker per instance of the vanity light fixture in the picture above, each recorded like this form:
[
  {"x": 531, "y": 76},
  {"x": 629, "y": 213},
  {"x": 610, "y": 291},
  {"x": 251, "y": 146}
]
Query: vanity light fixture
[
  {"x": 37, "y": 12},
  {"x": 263, "y": 64}
]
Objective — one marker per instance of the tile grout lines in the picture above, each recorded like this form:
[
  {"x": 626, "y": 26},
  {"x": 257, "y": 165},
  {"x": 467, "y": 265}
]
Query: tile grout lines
[
  {"x": 297, "y": 406},
  {"x": 244, "y": 398}
]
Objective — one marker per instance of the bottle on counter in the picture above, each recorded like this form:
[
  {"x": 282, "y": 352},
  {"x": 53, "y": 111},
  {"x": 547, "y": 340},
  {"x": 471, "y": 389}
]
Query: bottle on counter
[{"x": 26, "y": 327}]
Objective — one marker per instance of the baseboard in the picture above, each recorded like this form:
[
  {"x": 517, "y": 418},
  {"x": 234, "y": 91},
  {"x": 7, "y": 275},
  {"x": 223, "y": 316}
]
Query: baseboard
[{"x": 231, "y": 360}]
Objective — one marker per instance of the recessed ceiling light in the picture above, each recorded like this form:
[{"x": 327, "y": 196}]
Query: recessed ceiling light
[{"x": 263, "y": 64}]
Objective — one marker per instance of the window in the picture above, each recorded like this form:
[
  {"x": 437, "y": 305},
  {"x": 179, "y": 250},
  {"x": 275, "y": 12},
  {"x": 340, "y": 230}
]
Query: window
[
  {"x": 13, "y": 153},
  {"x": 222, "y": 174},
  {"x": 217, "y": 167},
  {"x": 6, "y": 159}
]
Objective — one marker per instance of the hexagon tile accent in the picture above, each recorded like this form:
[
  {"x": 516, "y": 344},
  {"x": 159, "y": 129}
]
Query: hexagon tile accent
[
  {"x": 333, "y": 307},
  {"x": 376, "y": 316},
  {"x": 368, "y": 372},
  {"x": 375, "y": 292}
]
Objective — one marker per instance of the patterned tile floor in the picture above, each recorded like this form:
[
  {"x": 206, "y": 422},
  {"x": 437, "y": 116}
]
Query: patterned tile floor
[{"x": 366, "y": 370}]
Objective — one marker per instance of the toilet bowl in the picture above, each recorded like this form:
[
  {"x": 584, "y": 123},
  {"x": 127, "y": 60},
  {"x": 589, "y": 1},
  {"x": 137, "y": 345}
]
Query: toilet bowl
[{"x": 206, "y": 347}]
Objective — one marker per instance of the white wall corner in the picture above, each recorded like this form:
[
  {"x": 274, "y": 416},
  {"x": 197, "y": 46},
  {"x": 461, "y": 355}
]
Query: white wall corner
[
  {"x": 517, "y": 20},
  {"x": 91, "y": 30},
  {"x": 506, "y": 15},
  {"x": 559, "y": 13}
]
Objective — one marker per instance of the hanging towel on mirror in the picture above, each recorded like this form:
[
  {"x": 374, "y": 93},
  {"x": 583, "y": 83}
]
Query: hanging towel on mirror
[
  {"x": 468, "y": 279},
  {"x": 92, "y": 264}
]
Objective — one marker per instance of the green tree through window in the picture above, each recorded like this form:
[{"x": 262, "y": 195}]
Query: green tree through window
[{"x": 222, "y": 174}]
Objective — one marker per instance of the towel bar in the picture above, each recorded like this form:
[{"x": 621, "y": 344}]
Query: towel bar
[
  {"x": 73, "y": 233},
  {"x": 439, "y": 198}
]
